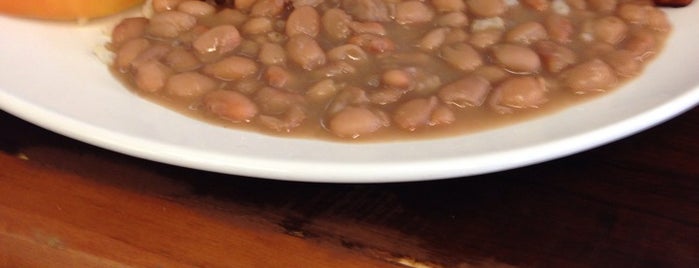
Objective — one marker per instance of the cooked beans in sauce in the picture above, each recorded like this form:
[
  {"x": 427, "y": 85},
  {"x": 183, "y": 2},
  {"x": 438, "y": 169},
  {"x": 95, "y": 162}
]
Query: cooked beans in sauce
[{"x": 382, "y": 69}]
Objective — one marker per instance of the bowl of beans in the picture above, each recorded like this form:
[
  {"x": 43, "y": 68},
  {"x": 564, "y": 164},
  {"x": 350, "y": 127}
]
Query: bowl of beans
[{"x": 356, "y": 90}]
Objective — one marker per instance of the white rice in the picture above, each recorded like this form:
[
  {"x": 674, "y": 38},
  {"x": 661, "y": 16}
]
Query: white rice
[
  {"x": 511, "y": 2},
  {"x": 103, "y": 54},
  {"x": 494, "y": 23},
  {"x": 147, "y": 9},
  {"x": 560, "y": 7}
]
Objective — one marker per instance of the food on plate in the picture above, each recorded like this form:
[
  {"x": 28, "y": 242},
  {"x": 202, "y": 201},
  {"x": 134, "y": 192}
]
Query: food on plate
[
  {"x": 382, "y": 69},
  {"x": 673, "y": 3},
  {"x": 65, "y": 9}
]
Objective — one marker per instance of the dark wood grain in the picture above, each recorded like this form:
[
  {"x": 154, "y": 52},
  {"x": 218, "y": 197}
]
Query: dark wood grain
[{"x": 632, "y": 203}]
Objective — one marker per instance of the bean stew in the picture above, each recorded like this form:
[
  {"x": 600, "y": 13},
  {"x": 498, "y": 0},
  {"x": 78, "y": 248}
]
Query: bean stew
[{"x": 382, "y": 69}]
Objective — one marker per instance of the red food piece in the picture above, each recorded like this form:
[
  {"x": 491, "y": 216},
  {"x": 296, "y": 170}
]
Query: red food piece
[{"x": 672, "y": 3}]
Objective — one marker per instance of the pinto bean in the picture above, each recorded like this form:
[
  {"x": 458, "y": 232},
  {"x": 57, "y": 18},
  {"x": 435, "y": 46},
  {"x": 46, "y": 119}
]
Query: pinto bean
[
  {"x": 487, "y": 8},
  {"x": 577, "y": 4},
  {"x": 247, "y": 85},
  {"x": 516, "y": 58},
  {"x": 433, "y": 39},
  {"x": 248, "y": 48},
  {"x": 442, "y": 115},
  {"x": 559, "y": 28},
  {"x": 243, "y": 4},
  {"x": 217, "y": 42},
  {"x": 596, "y": 49},
  {"x": 373, "y": 43},
  {"x": 165, "y": 5},
  {"x": 367, "y": 10},
  {"x": 336, "y": 23},
  {"x": 526, "y": 33},
  {"x": 231, "y": 68},
  {"x": 396, "y": 78},
  {"x": 189, "y": 36},
  {"x": 196, "y": 8},
  {"x": 624, "y": 62},
  {"x": 322, "y": 90},
  {"x": 449, "y": 5},
  {"x": 453, "y": 19},
  {"x": 169, "y": 24},
  {"x": 230, "y": 105},
  {"x": 151, "y": 76},
  {"x": 368, "y": 28},
  {"x": 257, "y": 25},
  {"x": 657, "y": 20},
  {"x": 347, "y": 96},
  {"x": 272, "y": 54},
  {"x": 293, "y": 118},
  {"x": 426, "y": 83},
  {"x": 267, "y": 8},
  {"x": 399, "y": 59},
  {"x": 641, "y": 43},
  {"x": 455, "y": 35},
  {"x": 274, "y": 101},
  {"x": 335, "y": 69},
  {"x": 275, "y": 37},
  {"x": 461, "y": 56},
  {"x": 153, "y": 52},
  {"x": 189, "y": 84},
  {"x": 305, "y": 52},
  {"x": 181, "y": 60},
  {"x": 492, "y": 73},
  {"x": 229, "y": 16},
  {"x": 285, "y": 123},
  {"x": 348, "y": 52},
  {"x": 603, "y": 5},
  {"x": 472, "y": 90},
  {"x": 484, "y": 39},
  {"x": 610, "y": 29},
  {"x": 128, "y": 52},
  {"x": 303, "y": 20},
  {"x": 127, "y": 29},
  {"x": 592, "y": 75},
  {"x": 519, "y": 92},
  {"x": 415, "y": 113},
  {"x": 278, "y": 77},
  {"x": 635, "y": 13},
  {"x": 413, "y": 11},
  {"x": 353, "y": 122},
  {"x": 386, "y": 95},
  {"x": 300, "y": 3},
  {"x": 555, "y": 57}
]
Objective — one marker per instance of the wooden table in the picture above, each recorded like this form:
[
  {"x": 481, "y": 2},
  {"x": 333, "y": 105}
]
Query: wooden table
[{"x": 632, "y": 203}]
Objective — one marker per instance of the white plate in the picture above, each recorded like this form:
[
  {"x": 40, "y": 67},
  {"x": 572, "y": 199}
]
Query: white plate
[{"x": 49, "y": 76}]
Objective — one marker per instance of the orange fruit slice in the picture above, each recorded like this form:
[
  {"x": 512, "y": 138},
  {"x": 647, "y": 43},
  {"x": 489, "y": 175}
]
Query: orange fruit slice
[{"x": 65, "y": 9}]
